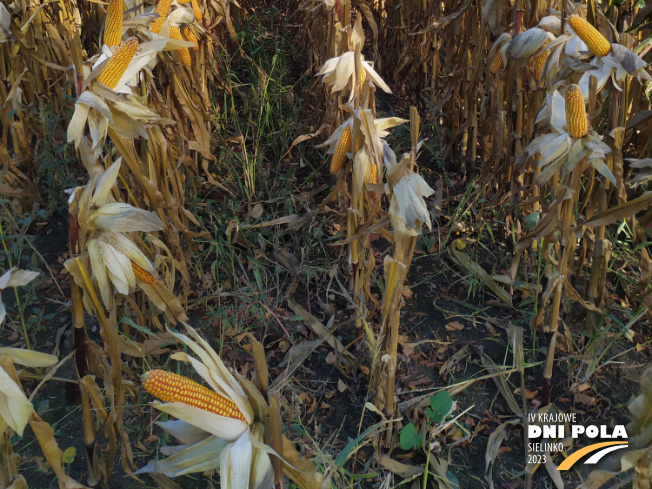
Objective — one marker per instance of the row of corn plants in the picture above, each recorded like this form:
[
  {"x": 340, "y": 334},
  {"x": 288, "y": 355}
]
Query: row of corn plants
[
  {"x": 374, "y": 192},
  {"x": 575, "y": 165},
  {"x": 35, "y": 56},
  {"x": 540, "y": 102},
  {"x": 140, "y": 118},
  {"x": 513, "y": 90}
]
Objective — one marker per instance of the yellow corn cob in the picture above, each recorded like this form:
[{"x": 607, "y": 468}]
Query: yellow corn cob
[
  {"x": 113, "y": 24},
  {"x": 595, "y": 41},
  {"x": 142, "y": 274},
  {"x": 539, "y": 59},
  {"x": 374, "y": 173},
  {"x": 169, "y": 387},
  {"x": 187, "y": 33},
  {"x": 162, "y": 10},
  {"x": 576, "y": 120},
  {"x": 343, "y": 147},
  {"x": 118, "y": 63},
  {"x": 496, "y": 64},
  {"x": 196, "y": 10},
  {"x": 184, "y": 54},
  {"x": 361, "y": 76}
]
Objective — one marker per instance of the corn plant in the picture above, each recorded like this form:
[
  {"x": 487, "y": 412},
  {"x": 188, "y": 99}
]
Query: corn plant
[
  {"x": 357, "y": 139},
  {"x": 569, "y": 151},
  {"x": 17, "y": 410},
  {"x": 235, "y": 425},
  {"x": 112, "y": 117}
]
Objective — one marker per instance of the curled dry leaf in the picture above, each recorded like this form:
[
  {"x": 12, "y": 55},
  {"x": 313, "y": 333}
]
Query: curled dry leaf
[{"x": 14, "y": 278}]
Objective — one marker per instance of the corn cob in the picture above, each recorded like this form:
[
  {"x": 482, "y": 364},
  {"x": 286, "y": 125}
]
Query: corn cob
[
  {"x": 184, "y": 54},
  {"x": 539, "y": 59},
  {"x": 362, "y": 76},
  {"x": 496, "y": 64},
  {"x": 595, "y": 41},
  {"x": 162, "y": 10},
  {"x": 196, "y": 10},
  {"x": 188, "y": 34},
  {"x": 169, "y": 387},
  {"x": 576, "y": 120},
  {"x": 118, "y": 63},
  {"x": 143, "y": 275},
  {"x": 113, "y": 25},
  {"x": 374, "y": 173},
  {"x": 343, "y": 147}
]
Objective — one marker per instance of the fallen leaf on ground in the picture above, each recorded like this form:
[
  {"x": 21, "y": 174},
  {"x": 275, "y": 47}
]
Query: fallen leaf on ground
[
  {"x": 583, "y": 387},
  {"x": 528, "y": 393},
  {"x": 584, "y": 400},
  {"x": 454, "y": 326}
]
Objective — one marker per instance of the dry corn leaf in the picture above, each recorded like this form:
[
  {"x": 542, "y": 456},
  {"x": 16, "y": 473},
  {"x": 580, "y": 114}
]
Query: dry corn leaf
[
  {"x": 196, "y": 119},
  {"x": 461, "y": 354},
  {"x": 641, "y": 410},
  {"x": 165, "y": 300},
  {"x": 302, "y": 471},
  {"x": 464, "y": 260},
  {"x": 501, "y": 383},
  {"x": 45, "y": 436},
  {"x": 576, "y": 297},
  {"x": 164, "y": 482},
  {"x": 29, "y": 358},
  {"x": 294, "y": 359},
  {"x": 496, "y": 438},
  {"x": 402, "y": 470},
  {"x": 346, "y": 359},
  {"x": 14, "y": 278},
  {"x": 619, "y": 212},
  {"x": 443, "y": 22},
  {"x": 15, "y": 408},
  {"x": 554, "y": 474}
]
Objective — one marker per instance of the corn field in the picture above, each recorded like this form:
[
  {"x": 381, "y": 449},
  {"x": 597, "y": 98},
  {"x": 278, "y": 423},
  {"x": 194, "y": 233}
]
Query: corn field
[{"x": 325, "y": 244}]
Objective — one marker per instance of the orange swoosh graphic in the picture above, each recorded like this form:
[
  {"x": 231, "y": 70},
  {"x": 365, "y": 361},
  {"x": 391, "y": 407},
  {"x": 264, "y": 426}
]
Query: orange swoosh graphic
[{"x": 570, "y": 461}]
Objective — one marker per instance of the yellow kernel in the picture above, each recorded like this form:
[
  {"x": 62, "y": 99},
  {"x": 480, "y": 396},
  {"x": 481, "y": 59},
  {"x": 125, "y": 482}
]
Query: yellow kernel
[{"x": 576, "y": 121}]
